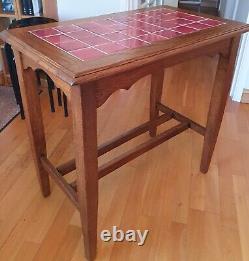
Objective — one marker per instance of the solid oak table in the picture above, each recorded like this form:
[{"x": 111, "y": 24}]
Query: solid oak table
[{"x": 89, "y": 59}]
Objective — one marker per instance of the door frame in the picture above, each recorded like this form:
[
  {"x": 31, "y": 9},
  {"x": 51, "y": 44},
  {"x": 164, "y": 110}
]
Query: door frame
[{"x": 241, "y": 77}]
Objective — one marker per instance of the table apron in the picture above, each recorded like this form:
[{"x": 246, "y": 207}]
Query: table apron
[
  {"x": 117, "y": 78},
  {"x": 105, "y": 87}
]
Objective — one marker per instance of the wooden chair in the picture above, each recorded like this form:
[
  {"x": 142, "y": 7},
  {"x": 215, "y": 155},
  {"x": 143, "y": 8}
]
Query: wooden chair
[
  {"x": 13, "y": 73},
  {"x": 190, "y": 4}
]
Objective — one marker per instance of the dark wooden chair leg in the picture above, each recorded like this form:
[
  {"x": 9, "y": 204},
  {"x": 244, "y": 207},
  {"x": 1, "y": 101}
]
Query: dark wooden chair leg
[
  {"x": 21, "y": 111},
  {"x": 31, "y": 102},
  {"x": 84, "y": 113},
  {"x": 157, "y": 80},
  {"x": 65, "y": 105},
  {"x": 38, "y": 77},
  {"x": 50, "y": 93},
  {"x": 218, "y": 101},
  {"x": 59, "y": 96}
]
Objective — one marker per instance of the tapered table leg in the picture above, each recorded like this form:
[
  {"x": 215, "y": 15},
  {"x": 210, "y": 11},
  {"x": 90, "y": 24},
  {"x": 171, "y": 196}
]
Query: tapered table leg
[
  {"x": 85, "y": 135},
  {"x": 218, "y": 101},
  {"x": 31, "y": 102},
  {"x": 157, "y": 80}
]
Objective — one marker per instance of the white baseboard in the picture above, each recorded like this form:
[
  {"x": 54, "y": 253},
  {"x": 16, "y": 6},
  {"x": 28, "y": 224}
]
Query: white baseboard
[{"x": 245, "y": 96}]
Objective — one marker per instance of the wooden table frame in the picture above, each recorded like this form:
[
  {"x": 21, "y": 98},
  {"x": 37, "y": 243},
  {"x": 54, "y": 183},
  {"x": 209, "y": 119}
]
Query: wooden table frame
[{"x": 87, "y": 95}]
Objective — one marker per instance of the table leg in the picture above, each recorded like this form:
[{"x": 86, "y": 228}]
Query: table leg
[
  {"x": 31, "y": 102},
  {"x": 157, "y": 80},
  {"x": 218, "y": 101},
  {"x": 85, "y": 134}
]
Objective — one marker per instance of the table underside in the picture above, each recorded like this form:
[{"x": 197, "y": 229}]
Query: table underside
[
  {"x": 168, "y": 114},
  {"x": 104, "y": 89}
]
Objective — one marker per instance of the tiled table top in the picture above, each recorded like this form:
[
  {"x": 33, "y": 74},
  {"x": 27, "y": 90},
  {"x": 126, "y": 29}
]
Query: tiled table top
[{"x": 105, "y": 36}]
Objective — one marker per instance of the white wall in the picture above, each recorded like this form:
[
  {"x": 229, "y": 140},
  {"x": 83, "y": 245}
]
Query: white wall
[
  {"x": 228, "y": 8},
  {"x": 241, "y": 76},
  {"x": 81, "y": 8},
  {"x": 242, "y": 11},
  {"x": 173, "y": 3},
  {"x": 239, "y": 10},
  {"x": 137, "y": 3},
  {"x": 235, "y": 9}
]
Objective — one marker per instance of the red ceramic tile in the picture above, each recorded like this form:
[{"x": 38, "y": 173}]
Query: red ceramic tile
[
  {"x": 122, "y": 19},
  {"x": 111, "y": 48},
  {"x": 87, "y": 54},
  {"x": 138, "y": 16},
  {"x": 105, "y": 22},
  {"x": 169, "y": 24},
  {"x": 159, "y": 11},
  {"x": 118, "y": 27},
  {"x": 192, "y": 17},
  {"x": 168, "y": 34},
  {"x": 182, "y": 21},
  {"x": 150, "y": 28},
  {"x": 103, "y": 30},
  {"x": 117, "y": 36},
  {"x": 85, "y": 25},
  {"x": 189, "y": 16},
  {"x": 45, "y": 32},
  {"x": 68, "y": 28},
  {"x": 135, "y": 23},
  {"x": 96, "y": 28},
  {"x": 133, "y": 32},
  {"x": 80, "y": 35},
  {"x": 95, "y": 40},
  {"x": 184, "y": 16},
  {"x": 211, "y": 22},
  {"x": 103, "y": 36},
  {"x": 150, "y": 38},
  {"x": 184, "y": 29},
  {"x": 151, "y": 20},
  {"x": 171, "y": 16},
  {"x": 58, "y": 39},
  {"x": 161, "y": 16},
  {"x": 199, "y": 26},
  {"x": 133, "y": 43},
  {"x": 71, "y": 45}
]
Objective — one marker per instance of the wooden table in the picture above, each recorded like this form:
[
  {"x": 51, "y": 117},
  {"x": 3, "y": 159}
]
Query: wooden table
[{"x": 89, "y": 59}]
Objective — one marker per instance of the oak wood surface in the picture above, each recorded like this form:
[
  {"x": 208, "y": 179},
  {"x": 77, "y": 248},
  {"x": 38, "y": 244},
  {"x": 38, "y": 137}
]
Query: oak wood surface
[
  {"x": 179, "y": 117},
  {"x": 141, "y": 149},
  {"x": 84, "y": 110},
  {"x": 157, "y": 80},
  {"x": 70, "y": 165},
  {"x": 221, "y": 89},
  {"x": 29, "y": 91},
  {"x": 62, "y": 183}
]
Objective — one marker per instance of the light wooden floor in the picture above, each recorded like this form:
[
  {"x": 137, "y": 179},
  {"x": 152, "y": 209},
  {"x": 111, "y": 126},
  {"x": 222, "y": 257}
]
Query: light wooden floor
[{"x": 190, "y": 216}]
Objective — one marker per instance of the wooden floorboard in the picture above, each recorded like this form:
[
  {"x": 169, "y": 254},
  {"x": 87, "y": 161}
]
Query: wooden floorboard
[{"x": 190, "y": 216}]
